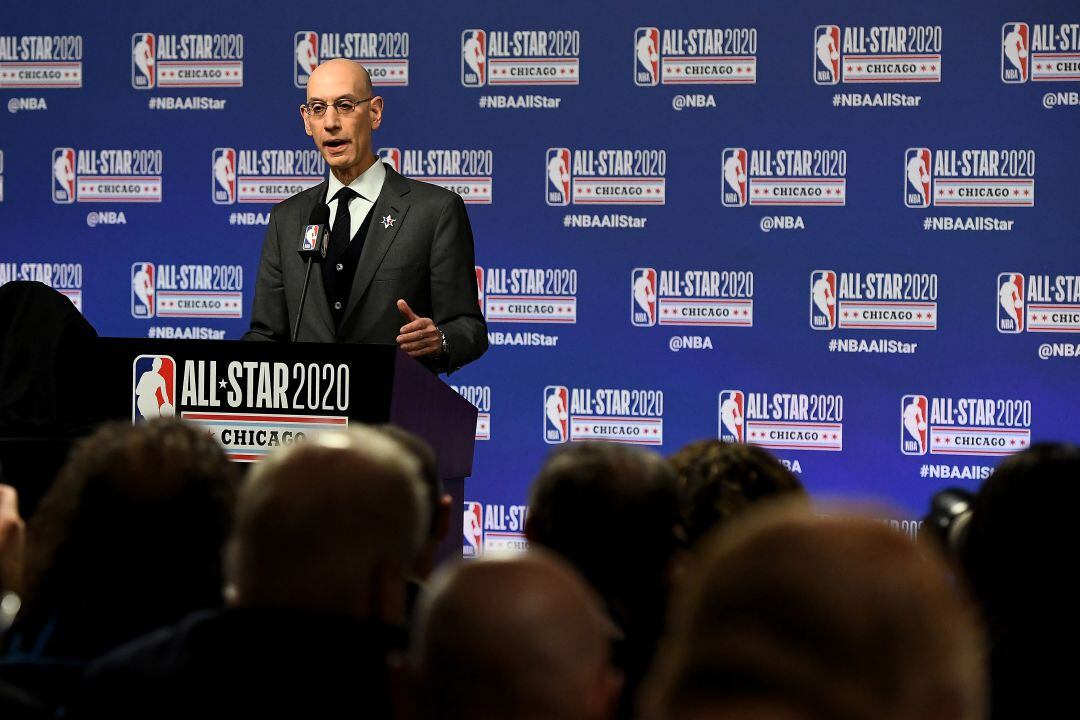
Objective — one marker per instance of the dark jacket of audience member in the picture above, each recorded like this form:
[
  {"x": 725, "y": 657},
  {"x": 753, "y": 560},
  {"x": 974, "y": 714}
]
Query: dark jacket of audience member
[
  {"x": 129, "y": 538},
  {"x": 326, "y": 531},
  {"x": 246, "y": 662},
  {"x": 15, "y": 704},
  {"x": 795, "y": 617},
  {"x": 719, "y": 481},
  {"x": 611, "y": 510},
  {"x": 1018, "y": 547},
  {"x": 43, "y": 343}
]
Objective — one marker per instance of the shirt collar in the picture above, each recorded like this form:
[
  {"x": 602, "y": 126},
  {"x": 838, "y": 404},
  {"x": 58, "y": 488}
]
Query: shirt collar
[{"x": 367, "y": 186}]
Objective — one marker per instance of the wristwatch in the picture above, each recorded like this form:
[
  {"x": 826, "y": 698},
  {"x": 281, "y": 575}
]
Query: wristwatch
[{"x": 445, "y": 351}]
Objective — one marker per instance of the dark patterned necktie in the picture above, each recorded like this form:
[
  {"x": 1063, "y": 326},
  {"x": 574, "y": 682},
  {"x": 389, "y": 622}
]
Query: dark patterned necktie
[
  {"x": 341, "y": 232},
  {"x": 339, "y": 241}
]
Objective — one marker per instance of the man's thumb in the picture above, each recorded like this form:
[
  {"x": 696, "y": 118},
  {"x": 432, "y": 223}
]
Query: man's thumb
[{"x": 404, "y": 309}]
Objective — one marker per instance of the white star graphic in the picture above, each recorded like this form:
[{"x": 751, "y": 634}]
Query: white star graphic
[{"x": 387, "y": 222}]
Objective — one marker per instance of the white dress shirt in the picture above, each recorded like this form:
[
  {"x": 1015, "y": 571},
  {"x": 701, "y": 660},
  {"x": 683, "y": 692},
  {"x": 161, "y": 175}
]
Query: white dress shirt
[{"x": 367, "y": 186}]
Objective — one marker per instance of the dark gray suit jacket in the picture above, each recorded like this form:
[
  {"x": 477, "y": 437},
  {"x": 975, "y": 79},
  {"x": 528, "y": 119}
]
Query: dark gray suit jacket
[{"x": 425, "y": 257}]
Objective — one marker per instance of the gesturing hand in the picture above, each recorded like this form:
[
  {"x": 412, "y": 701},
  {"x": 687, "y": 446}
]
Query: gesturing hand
[{"x": 419, "y": 336}]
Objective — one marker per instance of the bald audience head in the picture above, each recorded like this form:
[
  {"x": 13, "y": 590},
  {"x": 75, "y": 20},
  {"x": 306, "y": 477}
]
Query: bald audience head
[
  {"x": 792, "y": 616},
  {"x": 332, "y": 525},
  {"x": 521, "y": 637}
]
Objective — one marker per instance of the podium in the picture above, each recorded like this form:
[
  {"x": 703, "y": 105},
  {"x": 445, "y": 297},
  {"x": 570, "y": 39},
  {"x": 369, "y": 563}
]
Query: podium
[{"x": 256, "y": 396}]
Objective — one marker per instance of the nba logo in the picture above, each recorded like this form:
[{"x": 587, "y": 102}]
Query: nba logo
[
  {"x": 391, "y": 156},
  {"x": 917, "y": 177},
  {"x": 1014, "y": 52},
  {"x": 142, "y": 61},
  {"x": 558, "y": 176},
  {"x": 556, "y": 414},
  {"x": 472, "y": 529},
  {"x": 311, "y": 238},
  {"x": 732, "y": 405},
  {"x": 153, "y": 381},
  {"x": 480, "y": 286},
  {"x": 63, "y": 164},
  {"x": 1010, "y": 308},
  {"x": 734, "y": 194},
  {"x": 646, "y": 56},
  {"x": 473, "y": 58},
  {"x": 827, "y": 54},
  {"x": 142, "y": 290},
  {"x": 823, "y": 299},
  {"x": 306, "y": 54},
  {"x": 223, "y": 176},
  {"x": 913, "y": 425},
  {"x": 643, "y": 297}
]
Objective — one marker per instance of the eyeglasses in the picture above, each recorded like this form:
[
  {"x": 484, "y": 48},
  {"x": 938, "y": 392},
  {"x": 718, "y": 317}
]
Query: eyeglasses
[{"x": 344, "y": 106}]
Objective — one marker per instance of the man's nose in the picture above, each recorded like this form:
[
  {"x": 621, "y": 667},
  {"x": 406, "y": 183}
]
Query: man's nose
[{"x": 331, "y": 119}]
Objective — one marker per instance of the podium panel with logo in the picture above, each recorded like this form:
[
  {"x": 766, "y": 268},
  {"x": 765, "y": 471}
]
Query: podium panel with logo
[{"x": 254, "y": 397}]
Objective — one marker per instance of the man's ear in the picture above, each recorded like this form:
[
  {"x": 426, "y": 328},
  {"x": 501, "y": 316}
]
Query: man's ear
[
  {"x": 376, "y": 111},
  {"x": 307, "y": 121}
]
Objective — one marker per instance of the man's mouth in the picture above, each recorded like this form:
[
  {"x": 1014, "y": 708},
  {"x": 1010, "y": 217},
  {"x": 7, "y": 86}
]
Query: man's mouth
[{"x": 335, "y": 144}]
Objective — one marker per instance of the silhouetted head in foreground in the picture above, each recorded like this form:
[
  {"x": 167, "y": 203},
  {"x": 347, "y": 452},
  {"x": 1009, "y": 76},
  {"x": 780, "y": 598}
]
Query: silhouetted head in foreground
[
  {"x": 612, "y": 511},
  {"x": 128, "y": 538},
  {"x": 1016, "y": 551},
  {"x": 521, "y": 637},
  {"x": 794, "y": 616},
  {"x": 331, "y": 525}
]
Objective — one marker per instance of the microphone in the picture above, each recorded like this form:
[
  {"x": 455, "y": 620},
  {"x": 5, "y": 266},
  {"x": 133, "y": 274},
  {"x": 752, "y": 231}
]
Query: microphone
[
  {"x": 313, "y": 247},
  {"x": 316, "y": 240}
]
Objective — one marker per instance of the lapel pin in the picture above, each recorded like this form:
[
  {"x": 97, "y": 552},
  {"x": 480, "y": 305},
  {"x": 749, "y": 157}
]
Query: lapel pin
[{"x": 387, "y": 221}]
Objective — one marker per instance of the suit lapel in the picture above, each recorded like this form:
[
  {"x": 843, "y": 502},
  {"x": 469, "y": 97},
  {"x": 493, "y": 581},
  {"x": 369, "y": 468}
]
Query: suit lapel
[
  {"x": 316, "y": 309},
  {"x": 392, "y": 202}
]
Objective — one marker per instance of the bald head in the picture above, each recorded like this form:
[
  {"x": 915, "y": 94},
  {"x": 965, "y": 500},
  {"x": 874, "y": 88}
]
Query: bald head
[
  {"x": 342, "y": 137},
  {"x": 331, "y": 524},
  {"x": 342, "y": 70},
  {"x": 518, "y": 637}
]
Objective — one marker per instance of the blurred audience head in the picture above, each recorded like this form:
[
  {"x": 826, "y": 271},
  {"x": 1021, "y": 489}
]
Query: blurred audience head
[
  {"x": 719, "y": 481},
  {"x": 611, "y": 510},
  {"x": 438, "y": 502},
  {"x": 330, "y": 525},
  {"x": 128, "y": 538},
  {"x": 520, "y": 637},
  {"x": 794, "y": 616},
  {"x": 1015, "y": 552}
]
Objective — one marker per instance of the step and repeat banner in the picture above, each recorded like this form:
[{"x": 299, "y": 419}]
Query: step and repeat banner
[{"x": 846, "y": 232}]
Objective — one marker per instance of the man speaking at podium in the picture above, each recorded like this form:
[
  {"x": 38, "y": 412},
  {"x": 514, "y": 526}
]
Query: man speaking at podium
[{"x": 400, "y": 265}]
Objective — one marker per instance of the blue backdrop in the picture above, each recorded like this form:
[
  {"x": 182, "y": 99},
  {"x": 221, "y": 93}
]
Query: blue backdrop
[{"x": 841, "y": 230}]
